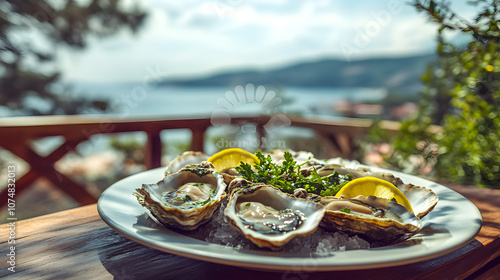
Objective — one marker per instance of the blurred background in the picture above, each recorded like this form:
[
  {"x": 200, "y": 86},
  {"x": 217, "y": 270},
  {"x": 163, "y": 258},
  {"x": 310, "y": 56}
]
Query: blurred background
[{"x": 420, "y": 63}]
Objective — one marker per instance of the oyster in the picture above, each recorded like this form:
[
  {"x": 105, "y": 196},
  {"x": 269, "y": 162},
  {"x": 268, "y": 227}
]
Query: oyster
[
  {"x": 379, "y": 221},
  {"x": 185, "y": 199},
  {"x": 189, "y": 157},
  {"x": 268, "y": 217},
  {"x": 422, "y": 199}
]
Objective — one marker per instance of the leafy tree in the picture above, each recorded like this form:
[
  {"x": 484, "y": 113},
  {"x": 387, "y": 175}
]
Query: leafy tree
[
  {"x": 462, "y": 96},
  {"x": 26, "y": 70}
]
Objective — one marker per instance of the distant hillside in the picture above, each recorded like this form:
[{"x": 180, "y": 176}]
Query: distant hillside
[{"x": 396, "y": 74}]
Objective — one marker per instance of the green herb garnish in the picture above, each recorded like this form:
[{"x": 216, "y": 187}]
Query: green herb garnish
[
  {"x": 346, "y": 210},
  {"x": 199, "y": 171},
  {"x": 287, "y": 177}
]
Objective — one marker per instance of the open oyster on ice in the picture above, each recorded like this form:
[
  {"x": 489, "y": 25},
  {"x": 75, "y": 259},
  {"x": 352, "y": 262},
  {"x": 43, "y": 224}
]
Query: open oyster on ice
[
  {"x": 185, "y": 199},
  {"x": 268, "y": 217},
  {"x": 422, "y": 199},
  {"x": 377, "y": 220}
]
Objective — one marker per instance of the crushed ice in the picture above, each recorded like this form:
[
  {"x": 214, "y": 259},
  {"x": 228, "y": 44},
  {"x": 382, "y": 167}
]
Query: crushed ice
[{"x": 321, "y": 243}]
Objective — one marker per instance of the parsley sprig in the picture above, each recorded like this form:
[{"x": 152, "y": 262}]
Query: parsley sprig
[{"x": 287, "y": 177}]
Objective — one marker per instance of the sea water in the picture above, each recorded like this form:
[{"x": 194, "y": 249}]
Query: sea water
[
  {"x": 130, "y": 100},
  {"x": 133, "y": 99}
]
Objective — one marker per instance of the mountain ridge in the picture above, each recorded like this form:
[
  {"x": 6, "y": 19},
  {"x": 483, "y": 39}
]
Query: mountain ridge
[{"x": 400, "y": 74}]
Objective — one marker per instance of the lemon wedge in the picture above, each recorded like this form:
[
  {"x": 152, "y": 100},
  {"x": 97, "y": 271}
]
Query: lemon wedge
[
  {"x": 367, "y": 186},
  {"x": 232, "y": 157}
]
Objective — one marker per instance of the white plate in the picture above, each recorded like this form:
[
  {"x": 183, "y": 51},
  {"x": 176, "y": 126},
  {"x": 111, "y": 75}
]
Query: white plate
[{"x": 452, "y": 224}]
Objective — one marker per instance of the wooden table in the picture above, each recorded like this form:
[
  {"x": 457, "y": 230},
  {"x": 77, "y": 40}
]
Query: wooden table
[{"x": 77, "y": 244}]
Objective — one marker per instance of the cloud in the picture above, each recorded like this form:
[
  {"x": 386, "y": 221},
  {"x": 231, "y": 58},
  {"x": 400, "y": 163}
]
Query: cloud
[{"x": 195, "y": 37}]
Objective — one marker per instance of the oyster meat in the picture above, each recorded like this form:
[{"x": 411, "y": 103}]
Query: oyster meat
[
  {"x": 268, "y": 217},
  {"x": 377, "y": 220},
  {"x": 267, "y": 220},
  {"x": 185, "y": 199}
]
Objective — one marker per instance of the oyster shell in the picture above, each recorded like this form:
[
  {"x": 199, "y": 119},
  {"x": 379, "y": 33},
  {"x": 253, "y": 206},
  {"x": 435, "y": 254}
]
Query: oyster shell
[
  {"x": 185, "y": 199},
  {"x": 268, "y": 217},
  {"x": 229, "y": 175},
  {"x": 422, "y": 199},
  {"x": 379, "y": 221},
  {"x": 189, "y": 157}
]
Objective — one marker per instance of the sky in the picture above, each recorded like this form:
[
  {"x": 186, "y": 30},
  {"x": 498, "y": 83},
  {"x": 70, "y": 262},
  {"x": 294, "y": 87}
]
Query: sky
[{"x": 194, "y": 38}]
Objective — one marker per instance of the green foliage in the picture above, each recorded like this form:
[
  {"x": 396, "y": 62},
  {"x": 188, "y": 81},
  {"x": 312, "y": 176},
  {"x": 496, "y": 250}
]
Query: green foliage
[
  {"x": 462, "y": 95},
  {"x": 27, "y": 68}
]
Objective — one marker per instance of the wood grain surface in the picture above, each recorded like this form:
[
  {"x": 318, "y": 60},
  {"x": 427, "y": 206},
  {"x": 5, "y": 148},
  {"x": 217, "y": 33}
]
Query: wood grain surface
[{"x": 77, "y": 244}]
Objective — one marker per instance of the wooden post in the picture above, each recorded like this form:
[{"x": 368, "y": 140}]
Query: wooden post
[
  {"x": 153, "y": 151},
  {"x": 198, "y": 139}
]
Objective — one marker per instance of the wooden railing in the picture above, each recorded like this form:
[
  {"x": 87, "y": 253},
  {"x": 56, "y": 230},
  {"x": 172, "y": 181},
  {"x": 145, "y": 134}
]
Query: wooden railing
[{"x": 17, "y": 133}]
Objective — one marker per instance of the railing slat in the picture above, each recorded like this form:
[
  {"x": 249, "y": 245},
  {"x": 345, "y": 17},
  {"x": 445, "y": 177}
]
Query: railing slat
[{"x": 47, "y": 170}]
